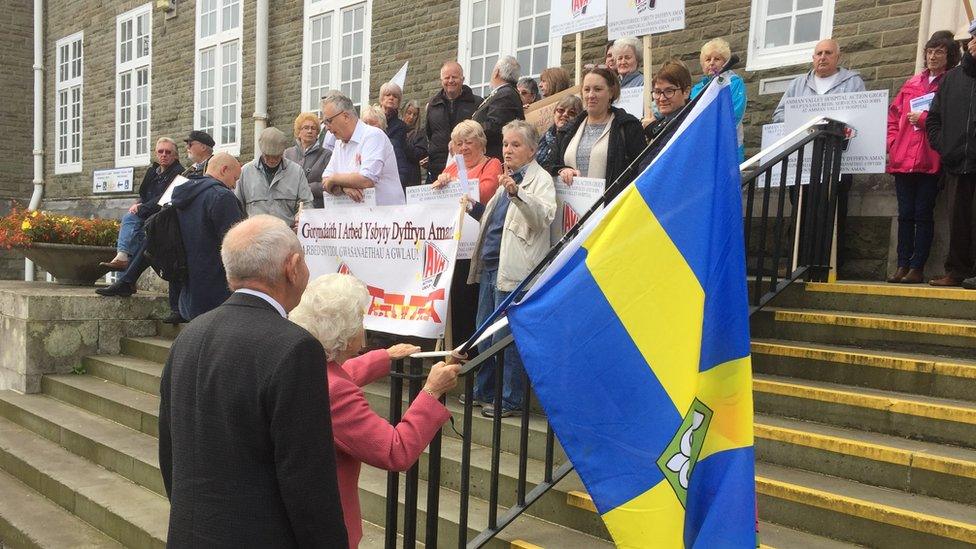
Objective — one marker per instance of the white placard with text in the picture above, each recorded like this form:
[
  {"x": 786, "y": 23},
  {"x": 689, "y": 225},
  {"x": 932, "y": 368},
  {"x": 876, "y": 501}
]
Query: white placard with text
[{"x": 642, "y": 17}]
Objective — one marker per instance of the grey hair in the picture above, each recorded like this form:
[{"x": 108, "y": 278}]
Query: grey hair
[
  {"x": 411, "y": 104},
  {"x": 169, "y": 140},
  {"x": 374, "y": 112},
  {"x": 526, "y": 130},
  {"x": 532, "y": 85},
  {"x": 391, "y": 87},
  {"x": 273, "y": 142},
  {"x": 632, "y": 43},
  {"x": 256, "y": 249},
  {"x": 332, "y": 310},
  {"x": 508, "y": 69},
  {"x": 341, "y": 102}
]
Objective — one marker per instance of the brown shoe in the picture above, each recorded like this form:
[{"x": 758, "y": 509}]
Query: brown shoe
[
  {"x": 914, "y": 276},
  {"x": 899, "y": 274},
  {"x": 115, "y": 265},
  {"x": 947, "y": 280}
]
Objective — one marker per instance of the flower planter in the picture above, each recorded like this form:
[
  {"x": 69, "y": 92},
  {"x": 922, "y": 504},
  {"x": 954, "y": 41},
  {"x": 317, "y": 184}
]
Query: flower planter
[{"x": 70, "y": 264}]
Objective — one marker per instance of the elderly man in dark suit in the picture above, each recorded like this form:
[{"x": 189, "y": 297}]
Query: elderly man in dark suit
[
  {"x": 245, "y": 433},
  {"x": 501, "y": 106}
]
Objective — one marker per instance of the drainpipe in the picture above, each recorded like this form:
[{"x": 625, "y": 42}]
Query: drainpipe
[
  {"x": 38, "y": 152},
  {"x": 260, "y": 73}
]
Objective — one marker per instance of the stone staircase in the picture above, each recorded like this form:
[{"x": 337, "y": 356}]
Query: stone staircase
[{"x": 865, "y": 399}]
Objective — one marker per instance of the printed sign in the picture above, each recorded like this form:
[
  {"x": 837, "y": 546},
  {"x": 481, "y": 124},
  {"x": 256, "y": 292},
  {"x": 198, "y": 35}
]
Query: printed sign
[
  {"x": 571, "y": 16},
  {"x": 572, "y": 201},
  {"x": 114, "y": 180},
  {"x": 632, "y": 101},
  {"x": 450, "y": 194},
  {"x": 404, "y": 254},
  {"x": 771, "y": 133},
  {"x": 343, "y": 201},
  {"x": 866, "y": 114},
  {"x": 641, "y": 17},
  {"x": 922, "y": 102}
]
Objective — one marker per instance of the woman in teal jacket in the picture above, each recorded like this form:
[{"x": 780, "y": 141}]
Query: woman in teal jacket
[{"x": 714, "y": 54}]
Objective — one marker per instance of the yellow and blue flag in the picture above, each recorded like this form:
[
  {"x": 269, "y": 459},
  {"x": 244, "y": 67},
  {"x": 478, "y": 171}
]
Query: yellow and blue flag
[{"x": 636, "y": 340}]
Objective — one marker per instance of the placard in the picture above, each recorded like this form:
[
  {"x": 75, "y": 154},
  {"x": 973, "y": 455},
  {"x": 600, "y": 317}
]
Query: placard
[
  {"x": 572, "y": 16},
  {"x": 343, "y": 201},
  {"x": 113, "y": 180},
  {"x": 450, "y": 194},
  {"x": 866, "y": 114},
  {"x": 632, "y": 101},
  {"x": 641, "y": 17},
  {"x": 572, "y": 201},
  {"x": 167, "y": 196},
  {"x": 404, "y": 254}
]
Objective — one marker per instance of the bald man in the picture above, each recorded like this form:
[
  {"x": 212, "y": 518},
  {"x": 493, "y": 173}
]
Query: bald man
[
  {"x": 453, "y": 103},
  {"x": 207, "y": 209}
]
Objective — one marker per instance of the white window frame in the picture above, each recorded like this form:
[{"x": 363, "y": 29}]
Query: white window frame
[
  {"x": 216, "y": 41},
  {"x": 315, "y": 8},
  {"x": 794, "y": 54},
  {"x": 68, "y": 85},
  {"x": 507, "y": 40},
  {"x": 132, "y": 67}
]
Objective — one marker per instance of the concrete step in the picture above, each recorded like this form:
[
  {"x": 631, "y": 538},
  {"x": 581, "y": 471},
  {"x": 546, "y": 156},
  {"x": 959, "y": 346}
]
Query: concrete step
[
  {"x": 946, "y": 472},
  {"x": 155, "y": 349},
  {"x": 131, "y": 514},
  {"x": 775, "y": 536},
  {"x": 919, "y": 417},
  {"x": 941, "y": 336},
  {"x": 118, "y": 448},
  {"x": 880, "y": 297},
  {"x": 923, "y": 374},
  {"x": 526, "y": 531},
  {"x": 133, "y": 372},
  {"x": 29, "y": 520},
  {"x": 132, "y": 408}
]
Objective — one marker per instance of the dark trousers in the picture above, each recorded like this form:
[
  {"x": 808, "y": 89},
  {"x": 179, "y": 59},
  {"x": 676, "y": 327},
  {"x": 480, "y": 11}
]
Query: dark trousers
[
  {"x": 464, "y": 304},
  {"x": 961, "y": 262},
  {"x": 916, "y": 194},
  {"x": 138, "y": 265}
]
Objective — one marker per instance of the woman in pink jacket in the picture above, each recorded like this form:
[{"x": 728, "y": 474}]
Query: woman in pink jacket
[
  {"x": 913, "y": 162},
  {"x": 332, "y": 309}
]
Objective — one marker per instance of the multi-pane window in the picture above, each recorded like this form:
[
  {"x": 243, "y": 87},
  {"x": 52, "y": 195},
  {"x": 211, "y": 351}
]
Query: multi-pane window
[
  {"x": 492, "y": 28},
  {"x": 218, "y": 72},
  {"x": 68, "y": 104},
  {"x": 783, "y": 32},
  {"x": 336, "y": 53},
  {"x": 133, "y": 76}
]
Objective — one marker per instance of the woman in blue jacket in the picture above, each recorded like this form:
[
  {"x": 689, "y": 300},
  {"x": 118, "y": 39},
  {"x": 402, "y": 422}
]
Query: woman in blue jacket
[{"x": 714, "y": 55}]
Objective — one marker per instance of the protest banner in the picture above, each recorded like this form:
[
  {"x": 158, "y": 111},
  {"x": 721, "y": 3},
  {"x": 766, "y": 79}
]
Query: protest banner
[
  {"x": 641, "y": 17},
  {"x": 451, "y": 194},
  {"x": 632, "y": 101},
  {"x": 572, "y": 201},
  {"x": 404, "y": 255},
  {"x": 343, "y": 201},
  {"x": 569, "y": 16}
]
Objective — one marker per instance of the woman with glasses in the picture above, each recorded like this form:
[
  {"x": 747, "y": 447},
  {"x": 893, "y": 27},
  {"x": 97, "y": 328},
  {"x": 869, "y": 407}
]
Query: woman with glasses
[
  {"x": 670, "y": 90},
  {"x": 603, "y": 140},
  {"x": 567, "y": 109},
  {"x": 309, "y": 154},
  {"x": 714, "y": 55},
  {"x": 914, "y": 164}
]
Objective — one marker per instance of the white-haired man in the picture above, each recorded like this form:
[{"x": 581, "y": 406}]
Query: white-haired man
[
  {"x": 272, "y": 184},
  {"x": 245, "y": 430},
  {"x": 363, "y": 157},
  {"x": 502, "y": 105}
]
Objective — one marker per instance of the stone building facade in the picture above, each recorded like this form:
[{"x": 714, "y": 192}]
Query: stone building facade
[{"x": 358, "y": 45}]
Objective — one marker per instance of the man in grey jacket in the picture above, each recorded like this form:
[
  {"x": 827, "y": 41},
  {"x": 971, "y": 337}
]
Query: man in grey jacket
[
  {"x": 825, "y": 78},
  {"x": 271, "y": 184}
]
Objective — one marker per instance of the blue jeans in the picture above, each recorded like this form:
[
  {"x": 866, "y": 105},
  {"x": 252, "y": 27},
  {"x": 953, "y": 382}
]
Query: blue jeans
[
  {"x": 513, "y": 378},
  {"x": 131, "y": 234},
  {"x": 916, "y": 194}
]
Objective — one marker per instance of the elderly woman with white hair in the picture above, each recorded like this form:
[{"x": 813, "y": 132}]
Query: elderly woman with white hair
[
  {"x": 514, "y": 237},
  {"x": 714, "y": 55},
  {"x": 628, "y": 56},
  {"x": 391, "y": 96},
  {"x": 332, "y": 310},
  {"x": 272, "y": 184}
]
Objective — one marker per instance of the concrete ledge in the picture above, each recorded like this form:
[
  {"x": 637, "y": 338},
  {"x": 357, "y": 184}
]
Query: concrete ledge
[{"x": 48, "y": 328}]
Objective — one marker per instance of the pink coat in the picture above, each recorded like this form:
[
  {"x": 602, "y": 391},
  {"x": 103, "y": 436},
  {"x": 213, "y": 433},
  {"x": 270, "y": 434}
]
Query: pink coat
[
  {"x": 908, "y": 145},
  {"x": 362, "y": 436}
]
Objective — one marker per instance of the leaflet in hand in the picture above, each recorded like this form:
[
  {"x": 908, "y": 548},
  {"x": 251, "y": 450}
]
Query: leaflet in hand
[{"x": 922, "y": 102}]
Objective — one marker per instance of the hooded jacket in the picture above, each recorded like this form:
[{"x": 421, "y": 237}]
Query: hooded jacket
[
  {"x": 805, "y": 85},
  {"x": 908, "y": 145},
  {"x": 207, "y": 210},
  {"x": 442, "y": 116},
  {"x": 951, "y": 123}
]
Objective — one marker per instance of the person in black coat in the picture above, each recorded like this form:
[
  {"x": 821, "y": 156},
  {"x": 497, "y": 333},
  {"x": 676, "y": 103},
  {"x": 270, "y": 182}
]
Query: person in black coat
[
  {"x": 246, "y": 448},
  {"x": 416, "y": 140},
  {"x": 207, "y": 208},
  {"x": 390, "y": 97},
  {"x": 950, "y": 126},
  {"x": 502, "y": 105},
  {"x": 604, "y": 139},
  {"x": 454, "y": 103}
]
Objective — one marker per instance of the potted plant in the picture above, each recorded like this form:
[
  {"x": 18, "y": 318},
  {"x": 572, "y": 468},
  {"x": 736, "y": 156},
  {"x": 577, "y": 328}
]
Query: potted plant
[{"x": 68, "y": 247}]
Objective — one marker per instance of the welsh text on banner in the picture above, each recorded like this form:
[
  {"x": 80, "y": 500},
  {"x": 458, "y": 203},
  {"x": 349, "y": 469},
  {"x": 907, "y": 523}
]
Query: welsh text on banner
[
  {"x": 571, "y": 16},
  {"x": 641, "y": 17}
]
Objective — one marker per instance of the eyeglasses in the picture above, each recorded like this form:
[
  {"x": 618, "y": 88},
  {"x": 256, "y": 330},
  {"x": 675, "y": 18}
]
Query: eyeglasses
[
  {"x": 568, "y": 112},
  {"x": 329, "y": 119},
  {"x": 165, "y": 151},
  {"x": 936, "y": 52},
  {"x": 309, "y": 128},
  {"x": 666, "y": 94}
]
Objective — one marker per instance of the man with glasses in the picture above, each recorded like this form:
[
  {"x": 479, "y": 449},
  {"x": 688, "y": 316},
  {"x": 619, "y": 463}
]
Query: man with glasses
[{"x": 199, "y": 148}]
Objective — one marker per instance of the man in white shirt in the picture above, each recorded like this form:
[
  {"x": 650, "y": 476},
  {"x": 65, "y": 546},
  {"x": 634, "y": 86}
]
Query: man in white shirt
[{"x": 363, "y": 156}]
